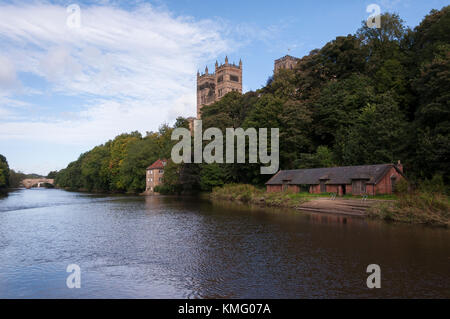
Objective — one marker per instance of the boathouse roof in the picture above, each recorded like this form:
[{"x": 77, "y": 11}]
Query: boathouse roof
[{"x": 372, "y": 174}]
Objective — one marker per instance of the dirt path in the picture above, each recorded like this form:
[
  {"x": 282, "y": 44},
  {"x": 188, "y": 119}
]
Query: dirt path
[{"x": 354, "y": 207}]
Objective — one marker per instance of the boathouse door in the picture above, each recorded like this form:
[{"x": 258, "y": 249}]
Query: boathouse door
[
  {"x": 393, "y": 181},
  {"x": 323, "y": 187},
  {"x": 358, "y": 187}
]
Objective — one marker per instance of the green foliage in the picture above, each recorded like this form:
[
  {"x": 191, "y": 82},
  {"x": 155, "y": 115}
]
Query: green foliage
[
  {"x": 377, "y": 135},
  {"x": 323, "y": 157},
  {"x": 339, "y": 106},
  {"x": 52, "y": 174},
  {"x": 253, "y": 195},
  {"x": 212, "y": 175},
  {"x": 118, "y": 165},
  {"x": 402, "y": 186},
  {"x": 4, "y": 173},
  {"x": 164, "y": 189},
  {"x": 434, "y": 185},
  {"x": 416, "y": 208},
  {"x": 15, "y": 178},
  {"x": 172, "y": 179}
]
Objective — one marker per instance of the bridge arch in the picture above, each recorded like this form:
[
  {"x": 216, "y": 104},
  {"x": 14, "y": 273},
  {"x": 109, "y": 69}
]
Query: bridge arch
[{"x": 29, "y": 182}]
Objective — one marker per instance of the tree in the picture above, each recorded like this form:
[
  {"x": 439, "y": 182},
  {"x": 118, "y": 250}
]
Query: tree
[
  {"x": 323, "y": 157},
  {"x": 343, "y": 57},
  {"x": 431, "y": 47},
  {"x": 4, "y": 173},
  {"x": 339, "y": 105},
  {"x": 52, "y": 174},
  {"x": 212, "y": 175},
  {"x": 382, "y": 43},
  {"x": 377, "y": 135}
]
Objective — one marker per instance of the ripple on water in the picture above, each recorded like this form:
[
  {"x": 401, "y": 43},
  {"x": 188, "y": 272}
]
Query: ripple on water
[{"x": 161, "y": 247}]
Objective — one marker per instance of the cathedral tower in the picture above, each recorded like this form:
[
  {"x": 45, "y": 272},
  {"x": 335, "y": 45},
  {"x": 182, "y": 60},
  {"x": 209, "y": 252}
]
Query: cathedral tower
[{"x": 212, "y": 87}]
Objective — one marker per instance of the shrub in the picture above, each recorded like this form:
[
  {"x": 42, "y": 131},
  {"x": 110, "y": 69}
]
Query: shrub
[
  {"x": 163, "y": 189},
  {"x": 435, "y": 185},
  {"x": 402, "y": 186}
]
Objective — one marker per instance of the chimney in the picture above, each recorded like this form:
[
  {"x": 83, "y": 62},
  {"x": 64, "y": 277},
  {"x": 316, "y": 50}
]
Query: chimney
[{"x": 400, "y": 166}]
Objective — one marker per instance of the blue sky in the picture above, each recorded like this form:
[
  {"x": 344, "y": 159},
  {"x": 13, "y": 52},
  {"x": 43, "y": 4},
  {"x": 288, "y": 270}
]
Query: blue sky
[{"x": 132, "y": 65}]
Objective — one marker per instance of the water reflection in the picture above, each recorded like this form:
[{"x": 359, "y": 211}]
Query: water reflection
[{"x": 173, "y": 247}]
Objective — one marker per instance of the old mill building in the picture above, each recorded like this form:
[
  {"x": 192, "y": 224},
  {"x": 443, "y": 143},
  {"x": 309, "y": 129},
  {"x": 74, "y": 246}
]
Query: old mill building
[{"x": 155, "y": 174}]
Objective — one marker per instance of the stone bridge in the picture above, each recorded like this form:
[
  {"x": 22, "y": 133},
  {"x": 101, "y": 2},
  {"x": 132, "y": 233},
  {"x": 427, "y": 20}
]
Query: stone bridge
[{"x": 30, "y": 182}]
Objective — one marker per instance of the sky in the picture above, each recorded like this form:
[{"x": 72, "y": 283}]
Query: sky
[{"x": 71, "y": 79}]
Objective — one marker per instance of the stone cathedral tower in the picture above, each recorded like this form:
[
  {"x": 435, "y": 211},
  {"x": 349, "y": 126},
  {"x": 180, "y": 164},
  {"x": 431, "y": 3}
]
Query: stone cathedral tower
[{"x": 212, "y": 87}]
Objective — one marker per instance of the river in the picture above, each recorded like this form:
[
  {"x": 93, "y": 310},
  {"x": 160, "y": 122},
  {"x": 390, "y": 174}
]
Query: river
[{"x": 168, "y": 247}]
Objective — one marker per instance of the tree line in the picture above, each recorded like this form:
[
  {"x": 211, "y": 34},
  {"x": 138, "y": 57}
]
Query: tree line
[
  {"x": 119, "y": 164},
  {"x": 10, "y": 178},
  {"x": 4, "y": 174},
  {"x": 375, "y": 96}
]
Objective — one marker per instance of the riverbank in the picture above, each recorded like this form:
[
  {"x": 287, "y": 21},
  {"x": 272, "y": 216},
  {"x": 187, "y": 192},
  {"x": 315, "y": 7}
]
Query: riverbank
[
  {"x": 417, "y": 208},
  {"x": 251, "y": 195}
]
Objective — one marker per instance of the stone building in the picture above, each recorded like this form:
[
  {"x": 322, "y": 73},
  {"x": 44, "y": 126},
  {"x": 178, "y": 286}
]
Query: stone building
[
  {"x": 155, "y": 174},
  {"x": 286, "y": 62},
  {"x": 355, "y": 180},
  {"x": 211, "y": 87}
]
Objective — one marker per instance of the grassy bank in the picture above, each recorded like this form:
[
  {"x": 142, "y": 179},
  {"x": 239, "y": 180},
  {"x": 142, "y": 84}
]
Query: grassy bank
[
  {"x": 253, "y": 195},
  {"x": 427, "y": 208},
  {"x": 415, "y": 208}
]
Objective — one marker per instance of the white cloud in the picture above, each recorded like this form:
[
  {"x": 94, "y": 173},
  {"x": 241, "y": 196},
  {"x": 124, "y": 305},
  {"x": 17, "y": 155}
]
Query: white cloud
[
  {"x": 8, "y": 77},
  {"x": 135, "y": 69}
]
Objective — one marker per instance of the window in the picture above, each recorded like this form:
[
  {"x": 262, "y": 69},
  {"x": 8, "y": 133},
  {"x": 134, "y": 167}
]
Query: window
[
  {"x": 234, "y": 78},
  {"x": 220, "y": 79}
]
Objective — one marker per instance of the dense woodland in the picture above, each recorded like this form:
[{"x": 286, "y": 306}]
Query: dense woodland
[
  {"x": 376, "y": 96},
  {"x": 4, "y": 174}
]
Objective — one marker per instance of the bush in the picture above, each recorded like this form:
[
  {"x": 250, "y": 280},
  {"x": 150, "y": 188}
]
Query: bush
[
  {"x": 417, "y": 208},
  {"x": 402, "y": 187},
  {"x": 251, "y": 194},
  {"x": 163, "y": 189},
  {"x": 435, "y": 185}
]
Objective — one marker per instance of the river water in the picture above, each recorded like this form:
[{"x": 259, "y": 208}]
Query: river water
[{"x": 168, "y": 247}]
